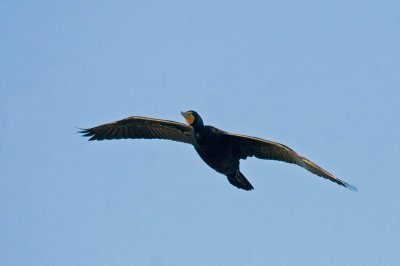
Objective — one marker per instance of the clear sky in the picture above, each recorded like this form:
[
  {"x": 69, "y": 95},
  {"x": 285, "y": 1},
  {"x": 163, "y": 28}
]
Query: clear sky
[{"x": 322, "y": 77}]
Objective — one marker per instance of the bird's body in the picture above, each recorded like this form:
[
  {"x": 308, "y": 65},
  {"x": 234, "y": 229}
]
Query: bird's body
[
  {"x": 215, "y": 150},
  {"x": 220, "y": 150}
]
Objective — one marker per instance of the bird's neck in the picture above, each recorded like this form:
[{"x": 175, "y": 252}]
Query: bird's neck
[{"x": 198, "y": 127}]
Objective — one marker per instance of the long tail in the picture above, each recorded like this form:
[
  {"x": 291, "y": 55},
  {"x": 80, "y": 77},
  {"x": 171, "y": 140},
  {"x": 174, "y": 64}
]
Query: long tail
[{"x": 239, "y": 181}]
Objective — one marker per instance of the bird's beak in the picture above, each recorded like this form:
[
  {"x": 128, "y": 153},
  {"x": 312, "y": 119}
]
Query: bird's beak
[{"x": 188, "y": 117}]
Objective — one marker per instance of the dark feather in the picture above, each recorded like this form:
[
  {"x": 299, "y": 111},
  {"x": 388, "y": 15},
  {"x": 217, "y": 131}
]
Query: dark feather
[
  {"x": 240, "y": 181},
  {"x": 246, "y": 146},
  {"x": 136, "y": 127}
]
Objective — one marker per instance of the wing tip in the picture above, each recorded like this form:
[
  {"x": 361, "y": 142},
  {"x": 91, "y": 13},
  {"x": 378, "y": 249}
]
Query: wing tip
[
  {"x": 87, "y": 133},
  {"x": 351, "y": 187}
]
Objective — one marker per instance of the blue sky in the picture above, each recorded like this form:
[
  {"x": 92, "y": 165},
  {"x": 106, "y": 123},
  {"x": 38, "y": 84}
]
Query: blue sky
[{"x": 320, "y": 77}]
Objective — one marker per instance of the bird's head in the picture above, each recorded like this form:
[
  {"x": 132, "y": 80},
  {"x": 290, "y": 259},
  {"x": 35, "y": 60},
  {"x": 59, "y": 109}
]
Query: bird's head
[{"x": 192, "y": 118}]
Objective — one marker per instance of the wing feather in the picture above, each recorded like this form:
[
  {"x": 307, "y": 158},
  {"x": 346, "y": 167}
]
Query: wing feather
[
  {"x": 246, "y": 146},
  {"x": 136, "y": 127}
]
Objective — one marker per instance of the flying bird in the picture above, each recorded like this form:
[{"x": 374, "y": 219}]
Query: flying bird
[{"x": 220, "y": 150}]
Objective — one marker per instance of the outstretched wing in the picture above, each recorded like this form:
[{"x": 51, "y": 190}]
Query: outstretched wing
[
  {"x": 136, "y": 127},
  {"x": 246, "y": 146}
]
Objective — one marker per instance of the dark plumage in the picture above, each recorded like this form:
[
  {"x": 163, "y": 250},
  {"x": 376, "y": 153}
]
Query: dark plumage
[{"x": 219, "y": 149}]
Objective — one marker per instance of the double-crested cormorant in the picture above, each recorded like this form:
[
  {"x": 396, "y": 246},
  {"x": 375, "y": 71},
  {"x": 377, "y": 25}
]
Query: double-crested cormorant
[{"x": 219, "y": 149}]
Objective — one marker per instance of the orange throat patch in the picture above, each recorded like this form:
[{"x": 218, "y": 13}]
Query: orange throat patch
[{"x": 189, "y": 119}]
